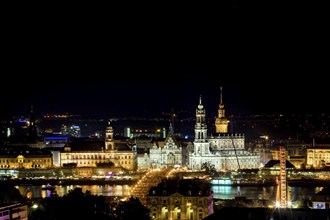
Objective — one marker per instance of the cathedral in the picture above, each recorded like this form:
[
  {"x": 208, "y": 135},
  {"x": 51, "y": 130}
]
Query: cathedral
[
  {"x": 225, "y": 151},
  {"x": 170, "y": 155}
]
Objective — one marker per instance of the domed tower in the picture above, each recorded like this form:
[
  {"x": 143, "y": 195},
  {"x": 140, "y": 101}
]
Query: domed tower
[
  {"x": 201, "y": 145},
  {"x": 221, "y": 123}
]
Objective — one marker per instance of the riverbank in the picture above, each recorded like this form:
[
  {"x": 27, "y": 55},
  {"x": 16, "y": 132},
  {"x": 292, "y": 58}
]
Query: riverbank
[
  {"x": 290, "y": 182},
  {"x": 309, "y": 182},
  {"x": 103, "y": 181},
  {"x": 53, "y": 182}
]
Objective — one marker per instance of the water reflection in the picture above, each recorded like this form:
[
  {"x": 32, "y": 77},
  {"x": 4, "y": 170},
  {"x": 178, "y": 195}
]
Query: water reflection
[
  {"x": 303, "y": 193},
  {"x": 104, "y": 190},
  {"x": 262, "y": 193},
  {"x": 31, "y": 191},
  {"x": 220, "y": 192}
]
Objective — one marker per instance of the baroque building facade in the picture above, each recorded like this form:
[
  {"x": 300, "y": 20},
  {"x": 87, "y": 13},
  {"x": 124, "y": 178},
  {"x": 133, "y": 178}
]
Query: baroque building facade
[
  {"x": 225, "y": 151},
  {"x": 318, "y": 157},
  {"x": 180, "y": 199},
  {"x": 24, "y": 157},
  {"x": 91, "y": 153},
  {"x": 169, "y": 155}
]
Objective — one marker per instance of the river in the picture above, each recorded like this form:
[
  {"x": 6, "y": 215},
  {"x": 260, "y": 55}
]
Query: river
[
  {"x": 220, "y": 192},
  {"x": 263, "y": 192}
]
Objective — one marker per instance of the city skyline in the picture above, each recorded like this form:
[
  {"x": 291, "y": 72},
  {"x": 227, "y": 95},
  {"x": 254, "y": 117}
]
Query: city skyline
[{"x": 145, "y": 95}]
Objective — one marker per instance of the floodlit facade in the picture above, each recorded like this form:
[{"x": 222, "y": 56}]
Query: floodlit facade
[
  {"x": 91, "y": 153},
  {"x": 318, "y": 157},
  {"x": 25, "y": 157},
  {"x": 223, "y": 150},
  {"x": 169, "y": 155},
  {"x": 180, "y": 199},
  {"x": 15, "y": 211}
]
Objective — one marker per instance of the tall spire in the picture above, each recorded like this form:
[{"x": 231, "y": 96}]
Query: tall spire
[
  {"x": 220, "y": 95},
  {"x": 171, "y": 131},
  {"x": 221, "y": 123},
  {"x": 221, "y": 105},
  {"x": 200, "y": 105},
  {"x": 200, "y": 126}
]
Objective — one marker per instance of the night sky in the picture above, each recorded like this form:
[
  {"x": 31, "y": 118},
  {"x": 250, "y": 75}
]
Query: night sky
[{"x": 147, "y": 63}]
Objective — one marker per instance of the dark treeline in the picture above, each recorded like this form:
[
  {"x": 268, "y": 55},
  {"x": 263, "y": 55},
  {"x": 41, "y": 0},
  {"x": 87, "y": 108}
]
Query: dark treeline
[{"x": 76, "y": 205}]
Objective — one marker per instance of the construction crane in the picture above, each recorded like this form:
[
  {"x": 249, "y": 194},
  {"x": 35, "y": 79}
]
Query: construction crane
[{"x": 239, "y": 166}]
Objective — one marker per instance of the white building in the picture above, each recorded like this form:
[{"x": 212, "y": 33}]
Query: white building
[
  {"x": 169, "y": 155},
  {"x": 224, "y": 151},
  {"x": 95, "y": 152}
]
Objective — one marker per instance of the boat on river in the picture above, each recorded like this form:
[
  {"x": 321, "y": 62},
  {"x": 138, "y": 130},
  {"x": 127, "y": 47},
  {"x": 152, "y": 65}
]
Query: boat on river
[{"x": 227, "y": 181}]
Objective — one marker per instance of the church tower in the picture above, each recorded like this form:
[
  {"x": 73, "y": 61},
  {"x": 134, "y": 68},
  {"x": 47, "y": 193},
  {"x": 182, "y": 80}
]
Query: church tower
[
  {"x": 200, "y": 126},
  {"x": 221, "y": 123},
  {"x": 109, "y": 141},
  {"x": 201, "y": 145}
]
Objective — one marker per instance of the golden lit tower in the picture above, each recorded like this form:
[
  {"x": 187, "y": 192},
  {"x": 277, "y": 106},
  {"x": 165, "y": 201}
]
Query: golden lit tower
[
  {"x": 109, "y": 141},
  {"x": 221, "y": 123}
]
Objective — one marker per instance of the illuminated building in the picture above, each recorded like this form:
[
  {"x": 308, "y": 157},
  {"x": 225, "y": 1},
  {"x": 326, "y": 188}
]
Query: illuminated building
[
  {"x": 15, "y": 211},
  {"x": 180, "y": 199},
  {"x": 168, "y": 155},
  {"x": 18, "y": 157},
  {"x": 72, "y": 130},
  {"x": 318, "y": 156},
  {"x": 55, "y": 141},
  {"x": 147, "y": 132},
  {"x": 143, "y": 160},
  {"x": 91, "y": 152},
  {"x": 221, "y": 123},
  {"x": 321, "y": 200},
  {"x": 314, "y": 155},
  {"x": 223, "y": 150},
  {"x": 295, "y": 153}
]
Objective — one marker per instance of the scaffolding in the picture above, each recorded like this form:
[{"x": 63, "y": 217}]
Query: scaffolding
[{"x": 283, "y": 190}]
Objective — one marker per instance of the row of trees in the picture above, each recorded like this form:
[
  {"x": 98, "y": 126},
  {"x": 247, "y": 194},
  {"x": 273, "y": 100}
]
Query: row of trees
[
  {"x": 76, "y": 204},
  {"x": 79, "y": 205}
]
